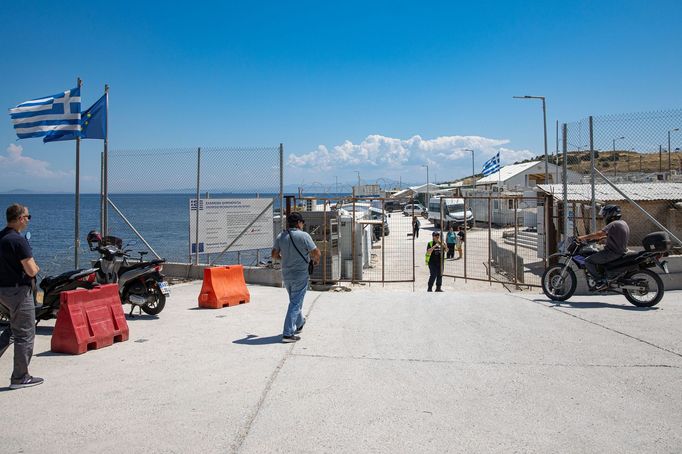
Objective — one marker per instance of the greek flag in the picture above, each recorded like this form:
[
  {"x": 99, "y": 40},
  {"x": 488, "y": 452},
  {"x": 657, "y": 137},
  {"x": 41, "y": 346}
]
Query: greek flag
[
  {"x": 492, "y": 165},
  {"x": 51, "y": 117}
]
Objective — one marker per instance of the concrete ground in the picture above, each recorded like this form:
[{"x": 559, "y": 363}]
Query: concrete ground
[{"x": 376, "y": 371}]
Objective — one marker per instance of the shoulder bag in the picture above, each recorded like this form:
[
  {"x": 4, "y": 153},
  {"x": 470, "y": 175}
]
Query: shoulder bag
[{"x": 311, "y": 265}]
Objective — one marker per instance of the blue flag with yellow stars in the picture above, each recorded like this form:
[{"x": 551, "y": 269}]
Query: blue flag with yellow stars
[{"x": 94, "y": 120}]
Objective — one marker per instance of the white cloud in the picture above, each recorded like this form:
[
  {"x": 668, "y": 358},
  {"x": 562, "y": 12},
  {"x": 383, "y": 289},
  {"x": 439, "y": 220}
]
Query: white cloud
[
  {"x": 390, "y": 153},
  {"x": 18, "y": 165}
]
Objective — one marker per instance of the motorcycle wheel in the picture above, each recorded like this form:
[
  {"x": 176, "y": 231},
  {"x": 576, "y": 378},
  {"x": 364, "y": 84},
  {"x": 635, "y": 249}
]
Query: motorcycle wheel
[
  {"x": 157, "y": 305},
  {"x": 557, "y": 288},
  {"x": 654, "y": 284}
]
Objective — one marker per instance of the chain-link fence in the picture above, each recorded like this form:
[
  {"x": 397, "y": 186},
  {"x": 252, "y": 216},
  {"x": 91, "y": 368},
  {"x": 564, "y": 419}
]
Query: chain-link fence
[
  {"x": 632, "y": 160},
  {"x": 503, "y": 246},
  {"x": 361, "y": 239},
  {"x": 150, "y": 192},
  {"x": 628, "y": 147}
]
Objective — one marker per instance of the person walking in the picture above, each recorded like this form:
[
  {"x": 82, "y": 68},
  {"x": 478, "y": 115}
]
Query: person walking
[
  {"x": 460, "y": 241},
  {"x": 435, "y": 250},
  {"x": 415, "y": 226},
  {"x": 296, "y": 249},
  {"x": 17, "y": 270},
  {"x": 451, "y": 240}
]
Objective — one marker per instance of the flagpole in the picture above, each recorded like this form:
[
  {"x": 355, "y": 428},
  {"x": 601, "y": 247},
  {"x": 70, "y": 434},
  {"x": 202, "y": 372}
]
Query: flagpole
[
  {"x": 76, "y": 242},
  {"x": 105, "y": 214}
]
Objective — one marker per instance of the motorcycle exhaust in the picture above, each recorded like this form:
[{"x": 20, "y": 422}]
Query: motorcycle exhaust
[{"x": 137, "y": 300}]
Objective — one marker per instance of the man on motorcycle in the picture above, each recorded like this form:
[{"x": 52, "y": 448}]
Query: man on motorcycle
[{"x": 617, "y": 234}]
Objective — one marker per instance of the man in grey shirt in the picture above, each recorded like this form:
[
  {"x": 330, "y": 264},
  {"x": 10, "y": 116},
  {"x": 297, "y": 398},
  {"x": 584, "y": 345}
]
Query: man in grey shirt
[
  {"x": 617, "y": 234},
  {"x": 296, "y": 248}
]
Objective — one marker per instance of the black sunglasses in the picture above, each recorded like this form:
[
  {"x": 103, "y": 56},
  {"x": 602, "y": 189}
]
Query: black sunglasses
[{"x": 26, "y": 216}]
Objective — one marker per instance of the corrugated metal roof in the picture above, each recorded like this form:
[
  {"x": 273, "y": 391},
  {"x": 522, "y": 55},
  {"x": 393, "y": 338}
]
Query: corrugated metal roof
[
  {"x": 508, "y": 172},
  {"x": 605, "y": 192}
]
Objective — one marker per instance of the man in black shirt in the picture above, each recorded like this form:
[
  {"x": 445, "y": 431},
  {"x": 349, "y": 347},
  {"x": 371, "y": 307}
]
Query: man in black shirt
[
  {"x": 17, "y": 270},
  {"x": 617, "y": 234}
]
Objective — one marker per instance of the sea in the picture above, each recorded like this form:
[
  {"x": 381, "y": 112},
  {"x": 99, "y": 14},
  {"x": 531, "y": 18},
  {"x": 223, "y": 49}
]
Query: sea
[{"x": 162, "y": 219}]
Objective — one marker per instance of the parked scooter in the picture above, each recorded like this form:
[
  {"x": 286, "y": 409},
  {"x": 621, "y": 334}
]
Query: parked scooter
[
  {"x": 630, "y": 275},
  {"x": 140, "y": 283}
]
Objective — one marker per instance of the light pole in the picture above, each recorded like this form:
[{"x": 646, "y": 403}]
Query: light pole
[
  {"x": 358, "y": 186},
  {"x": 473, "y": 172},
  {"x": 427, "y": 185},
  {"x": 613, "y": 155},
  {"x": 670, "y": 149},
  {"x": 544, "y": 122}
]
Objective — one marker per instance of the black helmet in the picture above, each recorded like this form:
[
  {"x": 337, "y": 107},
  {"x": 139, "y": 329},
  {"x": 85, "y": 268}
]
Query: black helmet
[
  {"x": 610, "y": 213},
  {"x": 94, "y": 237}
]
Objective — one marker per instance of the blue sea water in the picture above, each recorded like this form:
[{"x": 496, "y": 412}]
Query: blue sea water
[{"x": 162, "y": 219}]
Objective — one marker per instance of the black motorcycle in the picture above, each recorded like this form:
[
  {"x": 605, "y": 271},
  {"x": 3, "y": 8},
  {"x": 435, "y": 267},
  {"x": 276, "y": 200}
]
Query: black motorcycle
[
  {"x": 630, "y": 275},
  {"x": 52, "y": 287},
  {"x": 140, "y": 283}
]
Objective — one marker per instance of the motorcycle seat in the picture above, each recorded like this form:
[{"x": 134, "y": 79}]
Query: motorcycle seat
[
  {"x": 629, "y": 257},
  {"x": 51, "y": 281}
]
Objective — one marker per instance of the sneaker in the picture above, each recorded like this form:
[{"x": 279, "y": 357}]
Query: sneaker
[
  {"x": 439, "y": 290},
  {"x": 300, "y": 328},
  {"x": 27, "y": 383},
  {"x": 429, "y": 290},
  {"x": 290, "y": 339}
]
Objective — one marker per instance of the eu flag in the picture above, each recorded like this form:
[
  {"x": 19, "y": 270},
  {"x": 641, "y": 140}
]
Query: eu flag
[{"x": 94, "y": 120}]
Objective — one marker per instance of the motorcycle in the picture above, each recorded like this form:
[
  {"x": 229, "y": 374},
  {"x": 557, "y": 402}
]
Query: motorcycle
[
  {"x": 52, "y": 287},
  {"x": 630, "y": 275},
  {"x": 140, "y": 283}
]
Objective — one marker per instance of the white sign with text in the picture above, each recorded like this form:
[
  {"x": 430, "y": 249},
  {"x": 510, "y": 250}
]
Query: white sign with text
[{"x": 222, "y": 220}]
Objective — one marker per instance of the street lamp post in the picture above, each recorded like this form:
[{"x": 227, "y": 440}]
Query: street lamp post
[
  {"x": 427, "y": 185},
  {"x": 670, "y": 149},
  {"x": 613, "y": 155},
  {"x": 473, "y": 171},
  {"x": 544, "y": 122}
]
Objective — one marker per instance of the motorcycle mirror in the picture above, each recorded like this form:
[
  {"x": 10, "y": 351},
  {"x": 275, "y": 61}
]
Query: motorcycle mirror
[{"x": 27, "y": 235}]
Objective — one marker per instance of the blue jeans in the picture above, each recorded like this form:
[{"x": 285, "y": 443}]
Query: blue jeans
[{"x": 294, "y": 318}]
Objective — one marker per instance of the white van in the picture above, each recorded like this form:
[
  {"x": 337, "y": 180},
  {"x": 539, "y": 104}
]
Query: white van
[{"x": 453, "y": 212}]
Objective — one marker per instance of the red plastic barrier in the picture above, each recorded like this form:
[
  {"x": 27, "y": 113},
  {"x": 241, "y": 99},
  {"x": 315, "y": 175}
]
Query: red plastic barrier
[
  {"x": 223, "y": 286},
  {"x": 89, "y": 319}
]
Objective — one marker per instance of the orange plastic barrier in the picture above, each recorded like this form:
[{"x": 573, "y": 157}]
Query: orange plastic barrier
[
  {"x": 89, "y": 319},
  {"x": 223, "y": 286}
]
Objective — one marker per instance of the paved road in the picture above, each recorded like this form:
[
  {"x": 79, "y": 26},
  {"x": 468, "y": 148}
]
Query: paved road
[{"x": 377, "y": 371}]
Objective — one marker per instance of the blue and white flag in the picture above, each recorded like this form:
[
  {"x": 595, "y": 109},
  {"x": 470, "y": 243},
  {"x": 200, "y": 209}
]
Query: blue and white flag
[
  {"x": 55, "y": 117},
  {"x": 492, "y": 165}
]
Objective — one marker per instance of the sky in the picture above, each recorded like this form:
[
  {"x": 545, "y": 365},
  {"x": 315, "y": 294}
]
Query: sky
[{"x": 379, "y": 88}]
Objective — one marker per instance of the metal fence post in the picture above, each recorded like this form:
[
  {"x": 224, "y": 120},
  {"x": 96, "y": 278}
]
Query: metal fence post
[
  {"x": 281, "y": 185},
  {"x": 490, "y": 229},
  {"x": 516, "y": 242},
  {"x": 565, "y": 176},
  {"x": 593, "y": 202},
  {"x": 196, "y": 232}
]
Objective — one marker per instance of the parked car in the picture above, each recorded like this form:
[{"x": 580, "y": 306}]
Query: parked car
[
  {"x": 393, "y": 205},
  {"x": 417, "y": 208}
]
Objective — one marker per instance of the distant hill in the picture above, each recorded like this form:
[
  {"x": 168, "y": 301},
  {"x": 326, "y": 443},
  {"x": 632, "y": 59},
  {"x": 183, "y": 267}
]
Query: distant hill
[
  {"x": 18, "y": 191},
  {"x": 622, "y": 161}
]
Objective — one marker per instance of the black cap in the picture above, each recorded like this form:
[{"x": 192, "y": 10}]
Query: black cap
[
  {"x": 294, "y": 218},
  {"x": 435, "y": 233}
]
